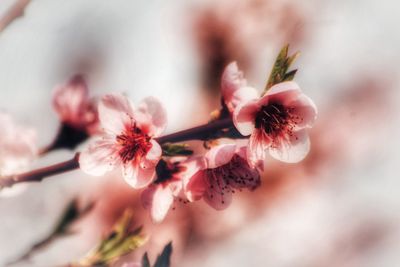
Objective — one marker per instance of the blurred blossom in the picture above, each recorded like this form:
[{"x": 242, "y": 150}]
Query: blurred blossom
[
  {"x": 278, "y": 122},
  {"x": 18, "y": 148},
  {"x": 132, "y": 264},
  {"x": 171, "y": 175},
  {"x": 234, "y": 87},
  {"x": 73, "y": 106},
  {"x": 127, "y": 141},
  {"x": 226, "y": 170},
  {"x": 77, "y": 114}
]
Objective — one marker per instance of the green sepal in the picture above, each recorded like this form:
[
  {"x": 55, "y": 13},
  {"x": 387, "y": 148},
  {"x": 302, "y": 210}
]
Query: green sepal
[
  {"x": 280, "y": 71},
  {"x": 120, "y": 241},
  {"x": 171, "y": 150},
  {"x": 164, "y": 259},
  {"x": 145, "y": 260}
]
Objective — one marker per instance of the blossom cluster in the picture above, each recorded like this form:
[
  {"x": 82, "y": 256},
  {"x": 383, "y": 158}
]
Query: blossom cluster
[
  {"x": 275, "y": 122},
  {"x": 130, "y": 137}
]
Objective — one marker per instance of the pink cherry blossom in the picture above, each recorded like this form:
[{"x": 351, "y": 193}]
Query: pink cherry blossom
[
  {"x": 132, "y": 264},
  {"x": 226, "y": 170},
  {"x": 234, "y": 87},
  {"x": 74, "y": 107},
  {"x": 277, "y": 122},
  {"x": 171, "y": 175},
  {"x": 127, "y": 140},
  {"x": 18, "y": 148}
]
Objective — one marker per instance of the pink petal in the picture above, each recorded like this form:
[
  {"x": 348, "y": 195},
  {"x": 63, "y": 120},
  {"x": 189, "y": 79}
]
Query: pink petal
[
  {"x": 215, "y": 195},
  {"x": 138, "y": 176},
  {"x": 132, "y": 264},
  {"x": 293, "y": 150},
  {"x": 244, "y": 117},
  {"x": 151, "y": 116},
  {"x": 306, "y": 110},
  {"x": 176, "y": 187},
  {"x": 115, "y": 113},
  {"x": 153, "y": 155},
  {"x": 196, "y": 186},
  {"x": 248, "y": 177},
  {"x": 158, "y": 199},
  {"x": 18, "y": 146},
  {"x": 241, "y": 96},
  {"x": 99, "y": 157},
  {"x": 69, "y": 100},
  {"x": 232, "y": 79},
  {"x": 284, "y": 87},
  {"x": 283, "y": 93},
  {"x": 219, "y": 155},
  {"x": 257, "y": 147},
  {"x": 192, "y": 165},
  {"x": 243, "y": 153}
]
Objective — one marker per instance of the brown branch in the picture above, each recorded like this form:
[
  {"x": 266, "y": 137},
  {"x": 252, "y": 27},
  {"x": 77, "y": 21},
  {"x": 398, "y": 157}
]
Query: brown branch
[
  {"x": 41, "y": 173},
  {"x": 14, "y": 12},
  {"x": 202, "y": 132}
]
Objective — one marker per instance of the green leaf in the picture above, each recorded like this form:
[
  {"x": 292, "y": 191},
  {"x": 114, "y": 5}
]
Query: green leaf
[
  {"x": 279, "y": 72},
  {"x": 145, "y": 260},
  {"x": 164, "y": 259},
  {"x": 120, "y": 241},
  {"x": 170, "y": 150}
]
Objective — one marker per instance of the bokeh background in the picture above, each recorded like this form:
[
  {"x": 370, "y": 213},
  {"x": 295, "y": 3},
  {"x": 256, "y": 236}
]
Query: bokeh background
[{"x": 339, "y": 207}]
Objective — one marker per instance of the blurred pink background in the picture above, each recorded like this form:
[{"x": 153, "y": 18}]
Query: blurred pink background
[{"x": 339, "y": 207}]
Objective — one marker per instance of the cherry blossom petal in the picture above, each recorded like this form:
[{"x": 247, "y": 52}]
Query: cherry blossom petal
[
  {"x": 241, "y": 96},
  {"x": 18, "y": 148},
  {"x": 244, "y": 117},
  {"x": 99, "y": 157},
  {"x": 69, "y": 100},
  {"x": 306, "y": 110},
  {"x": 257, "y": 147},
  {"x": 243, "y": 153},
  {"x": 283, "y": 93},
  {"x": 293, "y": 150},
  {"x": 216, "y": 196},
  {"x": 158, "y": 199},
  {"x": 244, "y": 176},
  {"x": 176, "y": 187},
  {"x": 138, "y": 176},
  {"x": 232, "y": 79},
  {"x": 151, "y": 116},
  {"x": 196, "y": 186},
  {"x": 132, "y": 264},
  {"x": 153, "y": 155},
  {"x": 115, "y": 113},
  {"x": 193, "y": 165},
  {"x": 219, "y": 155}
]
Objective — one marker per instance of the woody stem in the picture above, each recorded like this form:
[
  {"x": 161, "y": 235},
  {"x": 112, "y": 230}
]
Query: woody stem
[
  {"x": 202, "y": 132},
  {"x": 41, "y": 173}
]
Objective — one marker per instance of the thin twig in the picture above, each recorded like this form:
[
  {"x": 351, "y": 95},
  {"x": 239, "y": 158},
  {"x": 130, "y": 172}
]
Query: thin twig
[
  {"x": 41, "y": 173},
  {"x": 202, "y": 132},
  {"x": 197, "y": 133},
  {"x": 14, "y": 12}
]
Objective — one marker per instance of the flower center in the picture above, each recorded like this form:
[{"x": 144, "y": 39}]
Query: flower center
[
  {"x": 134, "y": 144},
  {"x": 275, "y": 119},
  {"x": 167, "y": 170}
]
